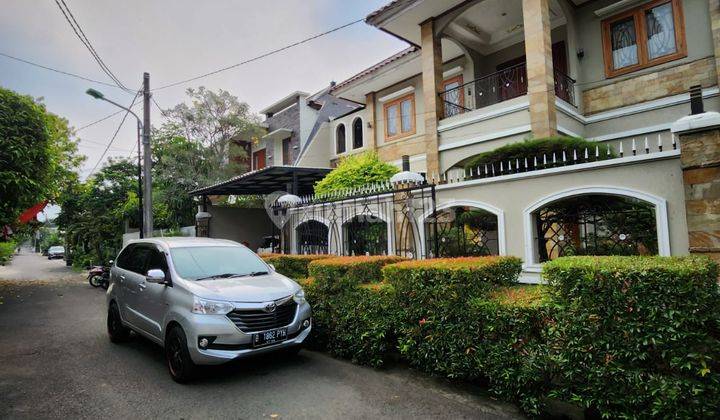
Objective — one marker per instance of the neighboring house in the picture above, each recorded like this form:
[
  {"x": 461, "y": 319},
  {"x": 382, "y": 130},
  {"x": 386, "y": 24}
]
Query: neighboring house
[
  {"x": 292, "y": 124},
  {"x": 481, "y": 74}
]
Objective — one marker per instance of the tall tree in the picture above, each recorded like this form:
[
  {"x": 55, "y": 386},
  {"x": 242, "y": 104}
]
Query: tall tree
[
  {"x": 38, "y": 154},
  {"x": 214, "y": 120}
]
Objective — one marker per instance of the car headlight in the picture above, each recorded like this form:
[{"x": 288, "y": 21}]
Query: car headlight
[
  {"x": 211, "y": 307},
  {"x": 299, "y": 296}
]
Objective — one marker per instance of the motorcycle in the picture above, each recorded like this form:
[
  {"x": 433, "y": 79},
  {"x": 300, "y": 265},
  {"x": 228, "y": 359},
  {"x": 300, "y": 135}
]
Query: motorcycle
[{"x": 99, "y": 275}]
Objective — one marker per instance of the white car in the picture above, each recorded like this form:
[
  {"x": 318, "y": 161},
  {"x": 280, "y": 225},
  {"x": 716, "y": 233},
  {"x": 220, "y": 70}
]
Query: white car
[{"x": 206, "y": 301}]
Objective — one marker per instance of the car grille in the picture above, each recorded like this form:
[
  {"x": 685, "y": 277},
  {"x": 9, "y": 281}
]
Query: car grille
[{"x": 254, "y": 320}]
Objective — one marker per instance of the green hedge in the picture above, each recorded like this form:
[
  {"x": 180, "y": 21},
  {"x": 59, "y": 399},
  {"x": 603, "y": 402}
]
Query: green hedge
[
  {"x": 343, "y": 273},
  {"x": 627, "y": 337},
  {"x": 293, "y": 266},
  {"x": 7, "y": 249},
  {"x": 637, "y": 336},
  {"x": 537, "y": 147}
]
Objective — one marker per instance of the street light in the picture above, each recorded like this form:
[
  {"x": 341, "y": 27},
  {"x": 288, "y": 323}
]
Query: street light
[{"x": 99, "y": 95}]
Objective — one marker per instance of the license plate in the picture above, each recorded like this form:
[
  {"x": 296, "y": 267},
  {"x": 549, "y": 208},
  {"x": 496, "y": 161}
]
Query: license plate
[{"x": 269, "y": 337}]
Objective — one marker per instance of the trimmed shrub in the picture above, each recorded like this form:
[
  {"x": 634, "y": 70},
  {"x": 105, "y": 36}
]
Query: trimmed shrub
[
  {"x": 510, "y": 351},
  {"x": 7, "y": 249},
  {"x": 637, "y": 337},
  {"x": 432, "y": 284},
  {"x": 293, "y": 266},
  {"x": 355, "y": 171},
  {"x": 536, "y": 147},
  {"x": 363, "y": 323},
  {"x": 344, "y": 273}
]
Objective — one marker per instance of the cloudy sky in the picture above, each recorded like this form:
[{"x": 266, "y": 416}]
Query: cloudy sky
[
  {"x": 177, "y": 39},
  {"x": 174, "y": 40}
]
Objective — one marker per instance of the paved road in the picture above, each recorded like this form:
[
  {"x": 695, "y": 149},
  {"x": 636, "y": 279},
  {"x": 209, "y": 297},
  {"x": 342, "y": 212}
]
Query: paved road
[
  {"x": 56, "y": 361},
  {"x": 31, "y": 266}
]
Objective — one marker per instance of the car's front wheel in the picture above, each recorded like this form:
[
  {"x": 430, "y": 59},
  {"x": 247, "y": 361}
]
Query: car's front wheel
[
  {"x": 180, "y": 364},
  {"x": 116, "y": 330}
]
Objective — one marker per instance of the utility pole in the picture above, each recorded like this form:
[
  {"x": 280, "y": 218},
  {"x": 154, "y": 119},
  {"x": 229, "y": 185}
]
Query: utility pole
[{"x": 147, "y": 161}]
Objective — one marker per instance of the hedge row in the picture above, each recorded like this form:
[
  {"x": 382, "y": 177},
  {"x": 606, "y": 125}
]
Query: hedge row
[
  {"x": 293, "y": 266},
  {"x": 622, "y": 336},
  {"x": 7, "y": 249}
]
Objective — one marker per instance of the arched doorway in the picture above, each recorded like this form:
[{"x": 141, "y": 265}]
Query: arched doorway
[
  {"x": 595, "y": 224},
  {"x": 463, "y": 230},
  {"x": 312, "y": 237},
  {"x": 365, "y": 235}
]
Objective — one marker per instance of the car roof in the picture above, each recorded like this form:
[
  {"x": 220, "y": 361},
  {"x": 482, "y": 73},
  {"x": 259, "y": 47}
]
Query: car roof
[{"x": 184, "y": 241}]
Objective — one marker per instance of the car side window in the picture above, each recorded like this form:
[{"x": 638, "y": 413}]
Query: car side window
[
  {"x": 123, "y": 260},
  {"x": 157, "y": 260},
  {"x": 138, "y": 259}
]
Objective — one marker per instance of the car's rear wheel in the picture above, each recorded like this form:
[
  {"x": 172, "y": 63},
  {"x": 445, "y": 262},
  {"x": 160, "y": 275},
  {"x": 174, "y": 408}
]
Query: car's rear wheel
[
  {"x": 182, "y": 368},
  {"x": 116, "y": 330}
]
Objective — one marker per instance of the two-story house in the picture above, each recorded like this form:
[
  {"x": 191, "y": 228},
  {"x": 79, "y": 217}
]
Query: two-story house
[{"x": 480, "y": 74}]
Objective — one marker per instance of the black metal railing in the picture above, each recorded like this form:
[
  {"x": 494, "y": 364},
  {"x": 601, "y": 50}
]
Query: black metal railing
[{"x": 500, "y": 86}]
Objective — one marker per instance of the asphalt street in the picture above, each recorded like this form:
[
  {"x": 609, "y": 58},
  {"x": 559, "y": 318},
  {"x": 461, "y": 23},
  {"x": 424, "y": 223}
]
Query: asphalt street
[{"x": 57, "y": 362}]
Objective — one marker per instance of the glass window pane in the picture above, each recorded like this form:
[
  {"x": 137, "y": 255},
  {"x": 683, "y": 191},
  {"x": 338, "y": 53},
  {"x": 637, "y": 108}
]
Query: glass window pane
[
  {"x": 192, "y": 263},
  {"x": 660, "y": 31},
  {"x": 391, "y": 120},
  {"x": 406, "y": 113},
  {"x": 624, "y": 43}
]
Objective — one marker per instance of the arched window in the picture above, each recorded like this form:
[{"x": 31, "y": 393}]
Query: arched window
[
  {"x": 463, "y": 231},
  {"x": 357, "y": 128},
  {"x": 365, "y": 234},
  {"x": 595, "y": 224},
  {"x": 340, "y": 139},
  {"x": 312, "y": 238}
]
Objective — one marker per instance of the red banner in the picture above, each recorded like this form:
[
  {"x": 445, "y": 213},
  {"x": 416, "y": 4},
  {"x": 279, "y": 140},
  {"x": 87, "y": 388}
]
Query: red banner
[{"x": 30, "y": 213}]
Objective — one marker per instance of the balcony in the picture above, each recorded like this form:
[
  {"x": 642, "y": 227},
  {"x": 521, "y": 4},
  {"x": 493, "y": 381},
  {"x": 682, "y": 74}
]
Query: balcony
[{"x": 497, "y": 87}]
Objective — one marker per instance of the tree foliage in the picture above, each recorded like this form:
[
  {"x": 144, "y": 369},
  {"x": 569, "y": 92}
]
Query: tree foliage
[
  {"x": 214, "y": 121},
  {"x": 38, "y": 154},
  {"x": 356, "y": 171}
]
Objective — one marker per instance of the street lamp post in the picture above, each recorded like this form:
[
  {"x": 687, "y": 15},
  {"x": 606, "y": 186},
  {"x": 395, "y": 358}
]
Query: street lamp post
[{"x": 99, "y": 95}]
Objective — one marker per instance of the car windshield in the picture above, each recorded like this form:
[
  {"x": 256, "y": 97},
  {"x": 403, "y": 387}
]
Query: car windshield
[
  {"x": 209, "y": 262},
  {"x": 57, "y": 249}
]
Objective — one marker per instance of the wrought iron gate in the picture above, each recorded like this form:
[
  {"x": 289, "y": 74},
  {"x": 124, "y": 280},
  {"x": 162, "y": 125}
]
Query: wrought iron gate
[{"x": 381, "y": 219}]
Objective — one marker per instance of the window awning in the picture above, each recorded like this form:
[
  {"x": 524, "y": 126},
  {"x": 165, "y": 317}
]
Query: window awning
[{"x": 295, "y": 179}]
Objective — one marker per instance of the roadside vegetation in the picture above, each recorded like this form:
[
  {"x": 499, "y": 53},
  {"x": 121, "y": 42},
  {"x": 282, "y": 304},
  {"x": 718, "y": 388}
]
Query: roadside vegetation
[
  {"x": 190, "y": 149},
  {"x": 617, "y": 337}
]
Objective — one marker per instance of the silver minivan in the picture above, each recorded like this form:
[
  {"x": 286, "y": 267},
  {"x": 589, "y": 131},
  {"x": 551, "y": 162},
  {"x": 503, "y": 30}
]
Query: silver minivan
[{"x": 205, "y": 301}]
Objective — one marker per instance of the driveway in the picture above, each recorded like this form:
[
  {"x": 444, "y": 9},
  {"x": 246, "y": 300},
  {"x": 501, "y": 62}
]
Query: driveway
[
  {"x": 56, "y": 361},
  {"x": 28, "y": 265}
]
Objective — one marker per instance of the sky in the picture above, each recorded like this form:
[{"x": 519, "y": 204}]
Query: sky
[{"x": 174, "y": 40}]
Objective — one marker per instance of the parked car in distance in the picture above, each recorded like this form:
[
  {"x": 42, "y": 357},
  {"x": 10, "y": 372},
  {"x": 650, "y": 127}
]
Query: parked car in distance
[
  {"x": 205, "y": 301},
  {"x": 57, "y": 251}
]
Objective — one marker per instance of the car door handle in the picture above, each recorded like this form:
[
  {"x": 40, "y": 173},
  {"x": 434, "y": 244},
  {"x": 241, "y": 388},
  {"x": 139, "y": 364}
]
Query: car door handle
[
  {"x": 142, "y": 286},
  {"x": 122, "y": 278}
]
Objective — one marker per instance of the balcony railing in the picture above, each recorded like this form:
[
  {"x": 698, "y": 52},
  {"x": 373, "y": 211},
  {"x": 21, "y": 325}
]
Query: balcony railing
[{"x": 500, "y": 86}]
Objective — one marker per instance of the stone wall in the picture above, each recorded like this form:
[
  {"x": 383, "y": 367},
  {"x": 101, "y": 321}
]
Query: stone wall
[
  {"x": 288, "y": 118},
  {"x": 700, "y": 160},
  {"x": 666, "y": 82}
]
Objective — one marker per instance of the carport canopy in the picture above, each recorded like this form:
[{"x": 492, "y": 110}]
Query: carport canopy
[{"x": 293, "y": 179}]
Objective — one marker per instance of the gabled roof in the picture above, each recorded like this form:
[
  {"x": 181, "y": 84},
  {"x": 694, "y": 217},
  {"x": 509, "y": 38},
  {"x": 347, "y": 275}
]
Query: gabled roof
[{"x": 375, "y": 67}]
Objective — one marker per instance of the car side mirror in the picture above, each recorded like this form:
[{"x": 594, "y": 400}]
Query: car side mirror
[
  {"x": 111, "y": 262},
  {"x": 272, "y": 267},
  {"x": 155, "y": 275}
]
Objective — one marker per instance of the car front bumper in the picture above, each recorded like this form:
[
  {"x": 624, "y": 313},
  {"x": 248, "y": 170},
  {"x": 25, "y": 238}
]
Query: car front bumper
[{"x": 229, "y": 343}]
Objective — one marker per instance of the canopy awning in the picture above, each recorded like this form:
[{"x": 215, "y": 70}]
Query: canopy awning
[{"x": 294, "y": 179}]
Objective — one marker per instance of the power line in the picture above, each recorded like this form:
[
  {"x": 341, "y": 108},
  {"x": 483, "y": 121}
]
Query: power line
[
  {"x": 58, "y": 71},
  {"x": 102, "y": 119},
  {"x": 70, "y": 18},
  {"x": 269, "y": 53},
  {"x": 114, "y": 135}
]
